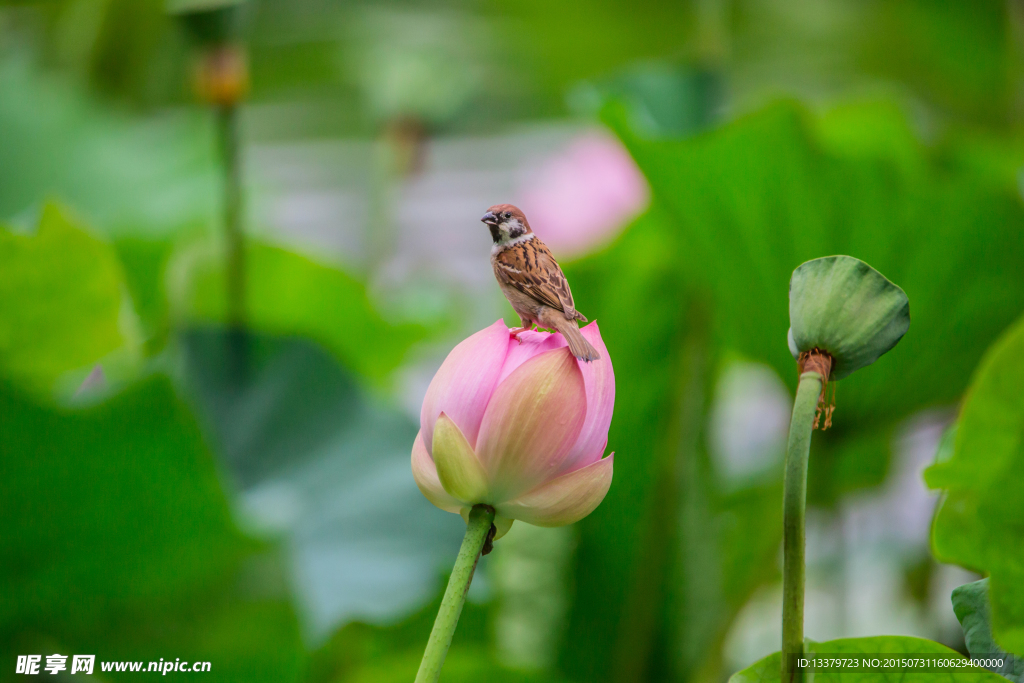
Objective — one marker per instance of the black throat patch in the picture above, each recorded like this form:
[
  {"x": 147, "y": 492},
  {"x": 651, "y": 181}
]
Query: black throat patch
[{"x": 495, "y": 233}]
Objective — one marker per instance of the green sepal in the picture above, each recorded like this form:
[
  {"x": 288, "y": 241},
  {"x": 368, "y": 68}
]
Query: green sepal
[
  {"x": 458, "y": 468},
  {"x": 843, "y": 306}
]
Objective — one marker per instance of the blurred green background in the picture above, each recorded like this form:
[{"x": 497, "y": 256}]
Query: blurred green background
[{"x": 174, "y": 487}]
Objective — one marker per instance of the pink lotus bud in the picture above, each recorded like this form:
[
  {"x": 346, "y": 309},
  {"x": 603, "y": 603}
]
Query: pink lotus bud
[{"x": 521, "y": 427}]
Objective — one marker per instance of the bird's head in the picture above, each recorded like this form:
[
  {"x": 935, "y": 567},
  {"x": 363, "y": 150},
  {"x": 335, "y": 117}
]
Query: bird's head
[{"x": 506, "y": 223}]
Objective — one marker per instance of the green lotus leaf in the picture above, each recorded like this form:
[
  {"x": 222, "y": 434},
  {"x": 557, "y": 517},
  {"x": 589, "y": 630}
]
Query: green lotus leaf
[
  {"x": 62, "y": 304},
  {"x": 979, "y": 523},
  {"x": 843, "y": 306},
  {"x": 972, "y": 609},
  {"x": 208, "y": 22},
  {"x": 768, "y": 670}
]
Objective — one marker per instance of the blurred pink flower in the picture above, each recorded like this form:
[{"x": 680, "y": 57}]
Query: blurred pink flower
[
  {"x": 585, "y": 194},
  {"x": 520, "y": 427}
]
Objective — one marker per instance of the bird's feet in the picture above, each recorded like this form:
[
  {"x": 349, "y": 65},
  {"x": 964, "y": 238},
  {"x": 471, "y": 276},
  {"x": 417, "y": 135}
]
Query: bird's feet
[{"x": 518, "y": 331}]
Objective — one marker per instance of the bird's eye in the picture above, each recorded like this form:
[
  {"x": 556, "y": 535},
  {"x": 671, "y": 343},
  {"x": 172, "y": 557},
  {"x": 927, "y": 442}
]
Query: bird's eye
[{"x": 507, "y": 215}]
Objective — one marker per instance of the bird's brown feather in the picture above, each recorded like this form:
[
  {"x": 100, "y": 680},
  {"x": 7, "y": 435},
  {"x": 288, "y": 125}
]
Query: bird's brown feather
[{"x": 530, "y": 268}]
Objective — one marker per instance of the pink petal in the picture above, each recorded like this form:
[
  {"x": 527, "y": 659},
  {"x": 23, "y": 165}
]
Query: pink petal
[
  {"x": 599, "y": 379},
  {"x": 464, "y": 383},
  {"x": 425, "y": 474},
  {"x": 531, "y": 423},
  {"x": 564, "y": 500},
  {"x": 458, "y": 469},
  {"x": 531, "y": 344}
]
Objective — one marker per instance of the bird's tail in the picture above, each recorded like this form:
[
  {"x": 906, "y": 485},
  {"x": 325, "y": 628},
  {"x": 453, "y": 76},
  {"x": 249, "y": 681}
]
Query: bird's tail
[{"x": 578, "y": 344}]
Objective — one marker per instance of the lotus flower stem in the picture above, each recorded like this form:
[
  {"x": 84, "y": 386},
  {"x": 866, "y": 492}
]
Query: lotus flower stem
[
  {"x": 227, "y": 121},
  {"x": 234, "y": 252},
  {"x": 794, "y": 508},
  {"x": 480, "y": 519}
]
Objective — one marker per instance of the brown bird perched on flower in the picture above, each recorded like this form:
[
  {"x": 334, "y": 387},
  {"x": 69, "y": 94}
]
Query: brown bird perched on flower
[{"x": 531, "y": 279}]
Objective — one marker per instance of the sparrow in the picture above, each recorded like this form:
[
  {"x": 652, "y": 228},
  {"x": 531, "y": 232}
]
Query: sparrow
[{"x": 532, "y": 281}]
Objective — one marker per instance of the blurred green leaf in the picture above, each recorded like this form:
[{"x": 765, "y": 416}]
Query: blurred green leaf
[
  {"x": 86, "y": 510},
  {"x": 749, "y": 521},
  {"x": 958, "y": 55},
  {"x": 971, "y": 606},
  {"x": 980, "y": 523},
  {"x": 735, "y": 210},
  {"x": 463, "y": 665},
  {"x": 293, "y": 399},
  {"x": 118, "y": 540},
  {"x": 662, "y": 98},
  {"x": 727, "y": 547},
  {"x": 373, "y": 654},
  {"x": 127, "y": 49},
  {"x": 290, "y": 294},
  {"x": 768, "y": 669},
  {"x": 616, "y": 34},
  {"x": 858, "y": 461},
  {"x": 529, "y": 573},
  {"x": 668, "y": 555},
  {"x": 144, "y": 261},
  {"x": 126, "y": 175},
  {"x": 871, "y": 130},
  {"x": 62, "y": 302},
  {"x": 645, "y": 345},
  {"x": 322, "y": 465},
  {"x": 754, "y": 199}
]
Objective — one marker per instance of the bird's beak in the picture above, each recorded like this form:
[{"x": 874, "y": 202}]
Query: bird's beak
[{"x": 489, "y": 218}]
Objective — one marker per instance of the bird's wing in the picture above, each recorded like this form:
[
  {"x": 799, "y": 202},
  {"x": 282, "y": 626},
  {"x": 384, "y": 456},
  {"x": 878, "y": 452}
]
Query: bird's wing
[{"x": 530, "y": 268}]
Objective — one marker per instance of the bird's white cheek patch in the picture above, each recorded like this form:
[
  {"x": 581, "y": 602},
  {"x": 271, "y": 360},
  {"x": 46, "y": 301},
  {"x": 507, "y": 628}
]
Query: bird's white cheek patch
[{"x": 506, "y": 242}]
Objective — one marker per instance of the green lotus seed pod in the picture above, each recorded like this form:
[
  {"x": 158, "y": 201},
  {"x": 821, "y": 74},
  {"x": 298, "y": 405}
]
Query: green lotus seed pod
[{"x": 847, "y": 309}]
